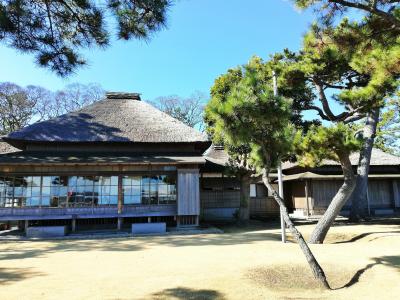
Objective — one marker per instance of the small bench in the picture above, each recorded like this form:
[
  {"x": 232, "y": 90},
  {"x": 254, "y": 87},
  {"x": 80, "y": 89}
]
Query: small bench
[
  {"x": 46, "y": 231},
  {"x": 143, "y": 228}
]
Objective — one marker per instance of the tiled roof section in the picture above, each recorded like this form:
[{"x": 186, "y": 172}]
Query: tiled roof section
[
  {"x": 7, "y": 148},
  {"x": 217, "y": 155},
  {"x": 378, "y": 158}
]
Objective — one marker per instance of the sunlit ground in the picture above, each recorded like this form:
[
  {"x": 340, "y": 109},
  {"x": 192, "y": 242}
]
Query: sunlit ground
[{"x": 361, "y": 262}]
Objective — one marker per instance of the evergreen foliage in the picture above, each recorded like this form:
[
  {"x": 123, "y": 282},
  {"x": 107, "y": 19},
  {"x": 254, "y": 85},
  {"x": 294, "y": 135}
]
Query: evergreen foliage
[{"x": 57, "y": 31}]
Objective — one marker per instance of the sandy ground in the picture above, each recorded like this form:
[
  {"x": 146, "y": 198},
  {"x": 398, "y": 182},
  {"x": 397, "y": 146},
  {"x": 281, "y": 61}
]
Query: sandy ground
[{"x": 361, "y": 262}]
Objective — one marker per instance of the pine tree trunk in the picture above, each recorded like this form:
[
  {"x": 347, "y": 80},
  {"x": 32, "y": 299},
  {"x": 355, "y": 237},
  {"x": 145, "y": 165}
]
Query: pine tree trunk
[
  {"x": 359, "y": 204},
  {"x": 313, "y": 263},
  {"x": 244, "y": 198},
  {"x": 319, "y": 233}
]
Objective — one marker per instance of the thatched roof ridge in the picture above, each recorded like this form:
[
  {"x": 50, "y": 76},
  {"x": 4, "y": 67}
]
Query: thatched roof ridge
[{"x": 113, "y": 119}]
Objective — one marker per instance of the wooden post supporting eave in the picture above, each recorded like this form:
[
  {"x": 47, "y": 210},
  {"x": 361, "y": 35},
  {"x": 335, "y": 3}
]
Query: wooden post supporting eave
[
  {"x": 307, "y": 202},
  {"x": 120, "y": 203},
  {"x": 73, "y": 225},
  {"x": 396, "y": 195},
  {"x": 26, "y": 225},
  {"x": 280, "y": 189}
]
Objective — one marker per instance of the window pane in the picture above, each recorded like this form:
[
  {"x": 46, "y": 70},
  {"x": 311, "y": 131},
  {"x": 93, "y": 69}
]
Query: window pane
[
  {"x": 46, "y": 181},
  {"x": 80, "y": 180},
  {"x": 72, "y": 180},
  {"x": 104, "y": 200},
  {"x": 145, "y": 180},
  {"x": 46, "y": 200},
  {"x": 126, "y": 180},
  {"x": 163, "y": 189},
  {"x": 36, "y": 191},
  {"x": 8, "y": 202},
  {"x": 32, "y": 201},
  {"x": 113, "y": 200},
  {"x": 134, "y": 199},
  {"x": 114, "y": 180},
  {"x": 172, "y": 189},
  {"x": 114, "y": 190},
  {"x": 36, "y": 181},
  {"x": 105, "y": 180},
  {"x": 46, "y": 191}
]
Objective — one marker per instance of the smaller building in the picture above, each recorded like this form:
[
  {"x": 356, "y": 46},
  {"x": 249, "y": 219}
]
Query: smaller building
[{"x": 309, "y": 191}]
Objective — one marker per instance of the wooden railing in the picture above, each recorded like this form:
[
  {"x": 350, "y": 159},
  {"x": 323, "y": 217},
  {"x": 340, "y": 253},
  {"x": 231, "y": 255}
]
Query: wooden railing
[{"x": 86, "y": 212}]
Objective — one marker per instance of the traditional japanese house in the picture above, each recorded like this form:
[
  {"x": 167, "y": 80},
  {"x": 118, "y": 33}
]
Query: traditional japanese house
[{"x": 117, "y": 161}]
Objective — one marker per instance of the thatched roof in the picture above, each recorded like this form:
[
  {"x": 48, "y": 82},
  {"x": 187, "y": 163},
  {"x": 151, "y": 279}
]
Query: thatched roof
[
  {"x": 378, "y": 158},
  {"x": 121, "y": 117}
]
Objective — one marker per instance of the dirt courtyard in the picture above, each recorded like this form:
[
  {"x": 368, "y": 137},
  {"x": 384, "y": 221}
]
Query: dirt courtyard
[{"x": 361, "y": 262}]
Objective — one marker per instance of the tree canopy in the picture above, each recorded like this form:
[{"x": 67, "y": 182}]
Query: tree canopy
[
  {"x": 387, "y": 11},
  {"x": 56, "y": 32}
]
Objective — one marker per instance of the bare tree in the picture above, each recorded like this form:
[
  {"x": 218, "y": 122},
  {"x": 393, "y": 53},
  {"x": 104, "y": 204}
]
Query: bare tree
[
  {"x": 20, "y": 106},
  {"x": 188, "y": 110},
  {"x": 74, "y": 97},
  {"x": 16, "y": 108}
]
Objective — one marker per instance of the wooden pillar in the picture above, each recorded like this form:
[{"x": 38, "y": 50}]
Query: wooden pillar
[
  {"x": 120, "y": 196},
  {"x": 120, "y": 203},
  {"x": 396, "y": 194},
  {"x": 120, "y": 222},
  {"x": 73, "y": 225},
  {"x": 26, "y": 225},
  {"x": 307, "y": 203}
]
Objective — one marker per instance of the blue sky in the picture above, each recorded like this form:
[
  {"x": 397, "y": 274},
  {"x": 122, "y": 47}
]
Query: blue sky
[{"x": 203, "y": 39}]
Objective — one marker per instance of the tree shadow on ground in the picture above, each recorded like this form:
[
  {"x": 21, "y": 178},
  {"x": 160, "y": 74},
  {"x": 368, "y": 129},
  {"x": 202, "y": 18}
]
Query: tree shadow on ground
[
  {"x": 42, "y": 248},
  {"x": 53, "y": 246},
  {"x": 363, "y": 235},
  {"x": 390, "y": 261},
  {"x": 185, "y": 293},
  {"x": 10, "y": 275}
]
